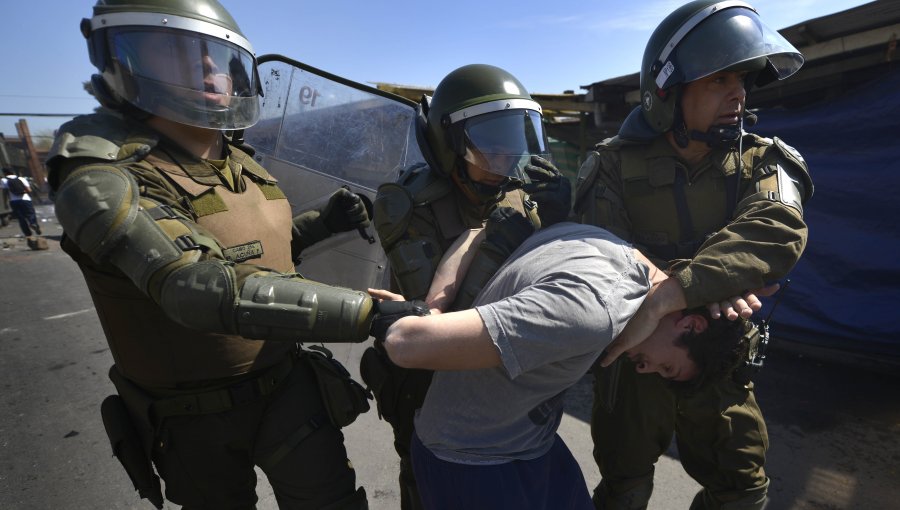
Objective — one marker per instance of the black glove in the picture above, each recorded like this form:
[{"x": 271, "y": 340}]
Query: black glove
[
  {"x": 389, "y": 312},
  {"x": 506, "y": 229},
  {"x": 551, "y": 191},
  {"x": 344, "y": 211}
]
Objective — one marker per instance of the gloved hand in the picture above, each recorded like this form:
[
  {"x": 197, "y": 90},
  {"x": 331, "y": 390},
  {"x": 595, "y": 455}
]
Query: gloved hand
[
  {"x": 549, "y": 189},
  {"x": 506, "y": 229},
  {"x": 389, "y": 312},
  {"x": 344, "y": 211}
]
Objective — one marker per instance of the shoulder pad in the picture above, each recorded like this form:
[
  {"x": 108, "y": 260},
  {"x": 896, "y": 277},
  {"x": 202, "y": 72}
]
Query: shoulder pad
[
  {"x": 790, "y": 153},
  {"x": 99, "y": 135},
  {"x": 424, "y": 184},
  {"x": 587, "y": 174},
  {"x": 391, "y": 212},
  {"x": 799, "y": 171},
  {"x": 789, "y": 164},
  {"x": 616, "y": 142}
]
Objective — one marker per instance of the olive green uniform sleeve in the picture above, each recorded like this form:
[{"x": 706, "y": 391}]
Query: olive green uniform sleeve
[{"x": 761, "y": 244}]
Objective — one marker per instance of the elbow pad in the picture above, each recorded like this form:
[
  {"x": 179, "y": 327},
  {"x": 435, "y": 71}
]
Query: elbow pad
[
  {"x": 98, "y": 207},
  {"x": 201, "y": 296},
  {"x": 287, "y": 308}
]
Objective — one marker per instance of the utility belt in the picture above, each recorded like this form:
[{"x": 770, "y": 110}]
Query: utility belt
[
  {"x": 224, "y": 399},
  {"x": 134, "y": 418}
]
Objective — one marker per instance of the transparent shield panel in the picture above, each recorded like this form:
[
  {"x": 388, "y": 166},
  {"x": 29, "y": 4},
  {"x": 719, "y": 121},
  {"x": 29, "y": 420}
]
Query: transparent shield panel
[{"x": 317, "y": 133}]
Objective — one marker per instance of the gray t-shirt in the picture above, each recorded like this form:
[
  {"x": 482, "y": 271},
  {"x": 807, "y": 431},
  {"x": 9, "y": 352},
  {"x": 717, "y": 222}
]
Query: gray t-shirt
[{"x": 556, "y": 303}]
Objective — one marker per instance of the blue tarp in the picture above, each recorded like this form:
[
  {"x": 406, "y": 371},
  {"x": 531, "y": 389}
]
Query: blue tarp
[{"x": 845, "y": 291}]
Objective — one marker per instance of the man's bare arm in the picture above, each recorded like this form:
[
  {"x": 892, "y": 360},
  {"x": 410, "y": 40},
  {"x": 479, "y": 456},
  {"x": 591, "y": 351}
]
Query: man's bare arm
[
  {"x": 452, "y": 269},
  {"x": 450, "y": 341}
]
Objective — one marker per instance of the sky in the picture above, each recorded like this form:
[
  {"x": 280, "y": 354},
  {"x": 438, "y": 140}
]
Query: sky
[{"x": 550, "y": 48}]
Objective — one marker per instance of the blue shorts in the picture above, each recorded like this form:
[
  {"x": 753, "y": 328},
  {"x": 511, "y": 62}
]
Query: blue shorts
[{"x": 552, "y": 481}]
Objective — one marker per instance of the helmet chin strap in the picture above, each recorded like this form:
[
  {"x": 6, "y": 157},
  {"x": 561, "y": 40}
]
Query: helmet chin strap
[{"x": 717, "y": 136}]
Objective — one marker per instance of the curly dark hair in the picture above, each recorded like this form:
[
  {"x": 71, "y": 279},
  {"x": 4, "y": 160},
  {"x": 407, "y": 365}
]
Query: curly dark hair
[{"x": 718, "y": 350}]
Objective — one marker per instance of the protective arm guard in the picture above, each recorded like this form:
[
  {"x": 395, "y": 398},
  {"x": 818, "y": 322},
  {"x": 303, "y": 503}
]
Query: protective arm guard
[
  {"x": 268, "y": 306},
  {"x": 101, "y": 211},
  {"x": 99, "y": 208},
  {"x": 282, "y": 307}
]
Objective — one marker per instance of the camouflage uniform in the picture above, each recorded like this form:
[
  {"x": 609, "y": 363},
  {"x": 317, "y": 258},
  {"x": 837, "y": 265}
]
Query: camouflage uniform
[
  {"x": 210, "y": 398},
  {"x": 718, "y": 236}
]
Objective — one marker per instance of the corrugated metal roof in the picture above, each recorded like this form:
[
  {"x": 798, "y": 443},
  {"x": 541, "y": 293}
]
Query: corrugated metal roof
[
  {"x": 880, "y": 13},
  {"x": 841, "y": 50}
]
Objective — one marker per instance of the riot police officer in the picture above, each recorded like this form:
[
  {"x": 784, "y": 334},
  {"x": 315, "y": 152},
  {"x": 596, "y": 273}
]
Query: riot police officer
[
  {"x": 188, "y": 248},
  {"x": 722, "y": 209},
  {"x": 484, "y": 143}
]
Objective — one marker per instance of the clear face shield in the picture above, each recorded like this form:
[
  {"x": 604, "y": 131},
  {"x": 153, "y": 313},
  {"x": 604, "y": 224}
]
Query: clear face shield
[
  {"x": 726, "y": 40},
  {"x": 183, "y": 76},
  {"x": 501, "y": 143}
]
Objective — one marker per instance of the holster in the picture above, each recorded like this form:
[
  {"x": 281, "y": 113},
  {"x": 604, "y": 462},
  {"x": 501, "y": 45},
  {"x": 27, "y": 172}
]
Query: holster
[
  {"x": 399, "y": 391},
  {"x": 344, "y": 398},
  {"x": 380, "y": 376},
  {"x": 130, "y": 431}
]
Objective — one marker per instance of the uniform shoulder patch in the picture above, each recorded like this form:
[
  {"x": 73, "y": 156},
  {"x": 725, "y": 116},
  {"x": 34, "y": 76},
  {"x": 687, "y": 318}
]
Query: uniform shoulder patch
[{"x": 790, "y": 152}]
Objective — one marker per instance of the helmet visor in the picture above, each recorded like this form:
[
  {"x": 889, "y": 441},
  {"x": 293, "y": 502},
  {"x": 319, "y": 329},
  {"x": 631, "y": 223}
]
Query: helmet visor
[
  {"x": 184, "y": 76},
  {"x": 504, "y": 141},
  {"x": 728, "y": 39}
]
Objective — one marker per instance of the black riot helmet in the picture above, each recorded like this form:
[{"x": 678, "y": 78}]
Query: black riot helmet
[
  {"x": 183, "y": 60},
  {"x": 481, "y": 115},
  {"x": 698, "y": 39}
]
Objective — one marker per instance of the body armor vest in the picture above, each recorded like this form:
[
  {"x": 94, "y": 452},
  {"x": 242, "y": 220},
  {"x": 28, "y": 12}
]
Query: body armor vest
[
  {"x": 672, "y": 208},
  {"x": 253, "y": 226},
  {"x": 439, "y": 214}
]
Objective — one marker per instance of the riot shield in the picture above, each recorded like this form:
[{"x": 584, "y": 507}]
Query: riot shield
[{"x": 318, "y": 132}]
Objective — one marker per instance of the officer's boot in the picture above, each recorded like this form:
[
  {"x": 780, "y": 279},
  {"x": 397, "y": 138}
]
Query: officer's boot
[
  {"x": 631, "y": 495},
  {"x": 749, "y": 499},
  {"x": 356, "y": 501}
]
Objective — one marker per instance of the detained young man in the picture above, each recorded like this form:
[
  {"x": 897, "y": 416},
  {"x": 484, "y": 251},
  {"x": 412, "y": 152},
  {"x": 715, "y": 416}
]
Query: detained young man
[{"x": 486, "y": 434}]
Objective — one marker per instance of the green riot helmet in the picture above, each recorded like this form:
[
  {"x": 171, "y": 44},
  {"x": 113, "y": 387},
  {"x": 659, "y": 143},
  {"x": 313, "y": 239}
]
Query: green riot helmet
[
  {"x": 696, "y": 40},
  {"x": 183, "y": 60},
  {"x": 482, "y": 115}
]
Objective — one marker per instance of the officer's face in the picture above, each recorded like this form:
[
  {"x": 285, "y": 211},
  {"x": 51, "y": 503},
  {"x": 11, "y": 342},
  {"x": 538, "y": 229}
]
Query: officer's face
[
  {"x": 716, "y": 99},
  {"x": 478, "y": 174},
  {"x": 197, "y": 71},
  {"x": 662, "y": 353}
]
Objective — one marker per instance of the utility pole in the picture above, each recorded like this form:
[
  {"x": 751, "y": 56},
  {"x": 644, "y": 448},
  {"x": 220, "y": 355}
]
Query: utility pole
[{"x": 37, "y": 171}]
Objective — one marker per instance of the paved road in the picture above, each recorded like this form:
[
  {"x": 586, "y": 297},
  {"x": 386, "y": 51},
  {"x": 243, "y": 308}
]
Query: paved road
[{"x": 834, "y": 429}]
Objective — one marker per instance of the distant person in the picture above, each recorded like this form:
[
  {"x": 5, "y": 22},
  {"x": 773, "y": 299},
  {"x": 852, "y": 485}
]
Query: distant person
[
  {"x": 20, "y": 202},
  {"x": 721, "y": 210},
  {"x": 486, "y": 434}
]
